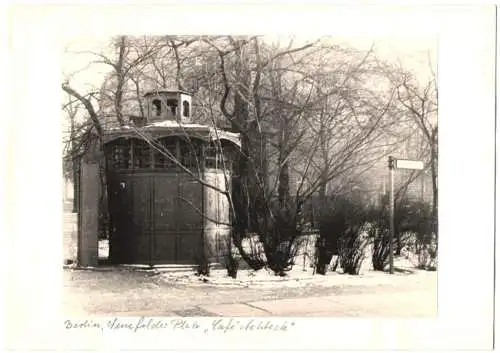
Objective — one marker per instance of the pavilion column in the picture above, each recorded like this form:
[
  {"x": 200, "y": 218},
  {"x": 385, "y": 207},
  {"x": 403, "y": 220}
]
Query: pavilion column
[{"x": 88, "y": 243}]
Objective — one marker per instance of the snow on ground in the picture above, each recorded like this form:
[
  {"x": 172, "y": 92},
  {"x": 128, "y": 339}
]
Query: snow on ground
[
  {"x": 300, "y": 276},
  {"x": 294, "y": 278}
]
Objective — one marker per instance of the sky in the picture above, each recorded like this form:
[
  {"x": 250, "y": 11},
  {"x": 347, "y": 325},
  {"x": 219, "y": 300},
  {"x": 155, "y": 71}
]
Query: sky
[
  {"x": 413, "y": 53},
  {"x": 405, "y": 33}
]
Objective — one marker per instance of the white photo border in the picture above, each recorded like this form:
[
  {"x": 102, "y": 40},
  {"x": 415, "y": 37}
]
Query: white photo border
[{"x": 33, "y": 193}]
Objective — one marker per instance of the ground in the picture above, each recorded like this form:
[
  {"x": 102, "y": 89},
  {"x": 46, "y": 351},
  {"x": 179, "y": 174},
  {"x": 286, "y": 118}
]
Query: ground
[
  {"x": 132, "y": 292},
  {"x": 127, "y": 292}
]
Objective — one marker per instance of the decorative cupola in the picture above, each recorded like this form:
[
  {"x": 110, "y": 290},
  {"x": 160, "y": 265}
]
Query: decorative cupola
[{"x": 172, "y": 105}]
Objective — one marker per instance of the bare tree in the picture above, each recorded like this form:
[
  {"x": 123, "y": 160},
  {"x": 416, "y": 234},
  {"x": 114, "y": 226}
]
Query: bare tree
[
  {"x": 419, "y": 102},
  {"x": 70, "y": 166},
  {"x": 242, "y": 65},
  {"x": 264, "y": 95},
  {"x": 308, "y": 111}
]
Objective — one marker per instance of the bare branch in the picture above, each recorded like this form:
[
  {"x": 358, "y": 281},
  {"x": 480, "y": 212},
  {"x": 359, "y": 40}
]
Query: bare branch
[{"x": 88, "y": 105}]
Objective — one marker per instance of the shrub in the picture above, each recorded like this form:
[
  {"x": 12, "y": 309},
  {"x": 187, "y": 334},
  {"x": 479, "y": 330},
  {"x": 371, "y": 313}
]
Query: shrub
[
  {"x": 342, "y": 222},
  {"x": 416, "y": 218},
  {"x": 280, "y": 243},
  {"x": 232, "y": 265},
  {"x": 413, "y": 224},
  {"x": 203, "y": 267},
  {"x": 352, "y": 252},
  {"x": 332, "y": 225},
  {"x": 422, "y": 251},
  {"x": 379, "y": 232},
  {"x": 231, "y": 261},
  {"x": 250, "y": 250},
  {"x": 427, "y": 257},
  {"x": 275, "y": 240},
  {"x": 321, "y": 256},
  {"x": 279, "y": 262},
  {"x": 305, "y": 250},
  {"x": 274, "y": 249},
  {"x": 201, "y": 258}
]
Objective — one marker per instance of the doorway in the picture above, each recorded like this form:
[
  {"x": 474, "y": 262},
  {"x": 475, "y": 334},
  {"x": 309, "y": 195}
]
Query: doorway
[{"x": 155, "y": 218}]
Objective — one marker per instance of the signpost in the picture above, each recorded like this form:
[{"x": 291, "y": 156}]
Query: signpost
[
  {"x": 407, "y": 164},
  {"x": 397, "y": 164}
]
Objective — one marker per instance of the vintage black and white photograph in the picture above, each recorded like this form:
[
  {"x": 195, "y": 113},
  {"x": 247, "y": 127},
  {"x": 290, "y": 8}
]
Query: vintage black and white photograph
[{"x": 250, "y": 176}]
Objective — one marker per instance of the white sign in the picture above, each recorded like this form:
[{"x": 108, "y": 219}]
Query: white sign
[{"x": 407, "y": 164}]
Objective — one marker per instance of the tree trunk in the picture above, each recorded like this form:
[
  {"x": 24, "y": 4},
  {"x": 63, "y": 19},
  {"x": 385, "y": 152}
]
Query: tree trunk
[
  {"x": 75, "y": 165},
  {"x": 399, "y": 245},
  {"x": 434, "y": 192},
  {"x": 119, "y": 68},
  {"x": 323, "y": 259},
  {"x": 240, "y": 187},
  {"x": 76, "y": 184},
  {"x": 321, "y": 245},
  {"x": 284, "y": 184},
  {"x": 139, "y": 97}
]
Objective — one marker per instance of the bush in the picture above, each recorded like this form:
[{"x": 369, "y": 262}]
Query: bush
[
  {"x": 379, "y": 232},
  {"x": 416, "y": 218},
  {"x": 422, "y": 251},
  {"x": 321, "y": 256},
  {"x": 280, "y": 255},
  {"x": 279, "y": 262},
  {"x": 250, "y": 250},
  {"x": 232, "y": 265},
  {"x": 342, "y": 222},
  {"x": 332, "y": 224},
  {"x": 413, "y": 223},
  {"x": 352, "y": 252},
  {"x": 201, "y": 258},
  {"x": 280, "y": 243},
  {"x": 231, "y": 261},
  {"x": 203, "y": 267},
  {"x": 427, "y": 257}
]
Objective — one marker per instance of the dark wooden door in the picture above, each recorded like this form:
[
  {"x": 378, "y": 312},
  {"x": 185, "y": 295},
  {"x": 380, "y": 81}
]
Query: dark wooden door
[
  {"x": 120, "y": 208},
  {"x": 155, "y": 218},
  {"x": 141, "y": 218},
  {"x": 190, "y": 221},
  {"x": 165, "y": 214}
]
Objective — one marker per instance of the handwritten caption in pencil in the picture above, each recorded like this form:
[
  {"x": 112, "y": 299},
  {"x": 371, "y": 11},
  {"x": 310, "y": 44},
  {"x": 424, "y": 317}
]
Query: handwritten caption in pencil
[{"x": 181, "y": 324}]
